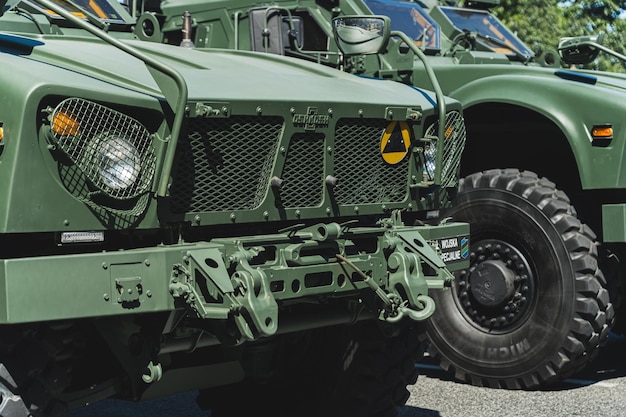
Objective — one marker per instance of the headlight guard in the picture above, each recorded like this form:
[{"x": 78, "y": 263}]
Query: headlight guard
[
  {"x": 454, "y": 143},
  {"x": 113, "y": 150}
]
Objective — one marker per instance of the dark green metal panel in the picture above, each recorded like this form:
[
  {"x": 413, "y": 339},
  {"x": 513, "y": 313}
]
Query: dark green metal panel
[
  {"x": 614, "y": 216},
  {"x": 62, "y": 287},
  {"x": 143, "y": 280}
]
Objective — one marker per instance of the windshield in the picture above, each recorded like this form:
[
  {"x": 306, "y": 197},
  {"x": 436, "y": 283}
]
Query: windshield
[
  {"x": 100, "y": 9},
  {"x": 486, "y": 25},
  {"x": 409, "y": 18}
]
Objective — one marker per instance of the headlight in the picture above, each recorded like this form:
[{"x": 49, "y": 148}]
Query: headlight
[
  {"x": 113, "y": 150},
  {"x": 430, "y": 160},
  {"x": 118, "y": 163}
]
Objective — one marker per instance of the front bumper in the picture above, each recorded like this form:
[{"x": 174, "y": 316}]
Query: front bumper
[{"x": 245, "y": 279}]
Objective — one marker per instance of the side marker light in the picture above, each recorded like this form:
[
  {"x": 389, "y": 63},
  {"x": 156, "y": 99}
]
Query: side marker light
[
  {"x": 601, "y": 135},
  {"x": 602, "y": 132}
]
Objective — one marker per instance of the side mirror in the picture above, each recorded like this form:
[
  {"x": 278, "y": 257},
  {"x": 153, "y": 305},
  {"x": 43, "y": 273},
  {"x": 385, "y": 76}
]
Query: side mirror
[
  {"x": 580, "y": 49},
  {"x": 357, "y": 35}
]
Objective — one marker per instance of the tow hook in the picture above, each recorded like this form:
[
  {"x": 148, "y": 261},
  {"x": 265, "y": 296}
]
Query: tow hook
[{"x": 395, "y": 307}]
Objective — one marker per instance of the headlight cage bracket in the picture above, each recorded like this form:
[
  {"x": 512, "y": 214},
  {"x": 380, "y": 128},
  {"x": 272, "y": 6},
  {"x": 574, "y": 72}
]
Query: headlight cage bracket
[{"x": 113, "y": 150}]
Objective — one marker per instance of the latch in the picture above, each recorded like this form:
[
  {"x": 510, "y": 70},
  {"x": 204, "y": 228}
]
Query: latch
[
  {"x": 128, "y": 289},
  {"x": 403, "y": 113},
  {"x": 210, "y": 110}
]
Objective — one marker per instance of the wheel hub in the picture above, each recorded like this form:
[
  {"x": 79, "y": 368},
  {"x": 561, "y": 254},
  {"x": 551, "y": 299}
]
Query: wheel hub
[
  {"x": 494, "y": 292},
  {"x": 492, "y": 283}
]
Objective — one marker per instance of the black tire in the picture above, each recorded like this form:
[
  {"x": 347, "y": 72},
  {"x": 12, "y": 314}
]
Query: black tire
[
  {"x": 532, "y": 308},
  {"x": 340, "y": 371}
]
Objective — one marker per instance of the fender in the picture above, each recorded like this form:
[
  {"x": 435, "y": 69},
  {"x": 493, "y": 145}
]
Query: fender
[{"x": 598, "y": 167}]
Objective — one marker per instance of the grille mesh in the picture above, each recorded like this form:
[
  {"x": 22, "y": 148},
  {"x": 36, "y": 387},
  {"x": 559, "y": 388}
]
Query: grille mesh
[
  {"x": 304, "y": 171},
  {"x": 113, "y": 151},
  {"x": 225, "y": 164},
  {"x": 364, "y": 177}
]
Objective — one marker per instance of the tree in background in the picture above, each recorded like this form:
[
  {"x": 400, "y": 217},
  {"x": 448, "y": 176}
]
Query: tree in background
[
  {"x": 541, "y": 23},
  {"x": 589, "y": 17}
]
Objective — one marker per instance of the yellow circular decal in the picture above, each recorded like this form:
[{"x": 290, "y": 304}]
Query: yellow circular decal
[{"x": 394, "y": 145}]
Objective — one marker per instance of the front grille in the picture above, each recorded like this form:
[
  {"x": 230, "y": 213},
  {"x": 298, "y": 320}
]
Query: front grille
[
  {"x": 364, "y": 177},
  {"x": 225, "y": 164}
]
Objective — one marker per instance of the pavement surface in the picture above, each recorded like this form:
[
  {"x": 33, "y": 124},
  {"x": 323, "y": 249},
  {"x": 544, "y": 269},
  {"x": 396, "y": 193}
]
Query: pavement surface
[{"x": 598, "y": 391}]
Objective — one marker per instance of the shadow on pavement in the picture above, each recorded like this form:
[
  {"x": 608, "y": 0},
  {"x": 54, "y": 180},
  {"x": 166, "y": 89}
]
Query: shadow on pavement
[
  {"x": 610, "y": 363},
  {"x": 408, "y": 411}
]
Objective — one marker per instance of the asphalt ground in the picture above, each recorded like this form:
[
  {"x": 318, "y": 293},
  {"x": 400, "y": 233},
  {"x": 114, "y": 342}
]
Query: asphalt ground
[{"x": 598, "y": 391}]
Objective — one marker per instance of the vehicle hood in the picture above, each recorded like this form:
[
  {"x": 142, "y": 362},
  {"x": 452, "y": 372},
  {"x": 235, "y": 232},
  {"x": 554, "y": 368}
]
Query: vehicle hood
[
  {"x": 213, "y": 73},
  {"x": 603, "y": 78},
  {"x": 598, "y": 78},
  {"x": 464, "y": 73}
]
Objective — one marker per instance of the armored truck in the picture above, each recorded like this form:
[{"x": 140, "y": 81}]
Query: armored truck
[
  {"x": 260, "y": 231},
  {"x": 543, "y": 184}
]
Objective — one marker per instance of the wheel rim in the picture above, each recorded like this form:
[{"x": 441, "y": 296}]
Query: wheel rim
[{"x": 496, "y": 293}]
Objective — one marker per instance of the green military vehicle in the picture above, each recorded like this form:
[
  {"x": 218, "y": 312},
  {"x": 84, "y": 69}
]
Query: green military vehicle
[
  {"x": 543, "y": 187},
  {"x": 222, "y": 221}
]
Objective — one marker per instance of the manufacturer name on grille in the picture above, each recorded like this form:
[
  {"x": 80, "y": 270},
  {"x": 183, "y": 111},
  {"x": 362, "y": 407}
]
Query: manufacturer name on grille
[{"x": 311, "y": 120}]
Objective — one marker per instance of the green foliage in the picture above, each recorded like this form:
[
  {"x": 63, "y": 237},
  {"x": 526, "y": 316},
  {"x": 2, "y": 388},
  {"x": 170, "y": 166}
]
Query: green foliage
[
  {"x": 590, "y": 17},
  {"x": 541, "y": 23},
  {"x": 538, "y": 25}
]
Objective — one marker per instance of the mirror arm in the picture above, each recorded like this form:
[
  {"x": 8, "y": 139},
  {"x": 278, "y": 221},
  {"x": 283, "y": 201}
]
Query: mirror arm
[
  {"x": 605, "y": 49},
  {"x": 599, "y": 47}
]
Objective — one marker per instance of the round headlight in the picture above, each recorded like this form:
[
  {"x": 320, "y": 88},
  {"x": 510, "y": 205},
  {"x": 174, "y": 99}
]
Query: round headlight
[
  {"x": 119, "y": 163},
  {"x": 430, "y": 160}
]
